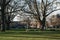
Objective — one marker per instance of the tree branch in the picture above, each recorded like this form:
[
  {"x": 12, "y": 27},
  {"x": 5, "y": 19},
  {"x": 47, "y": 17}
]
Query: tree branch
[
  {"x": 23, "y": 11},
  {"x": 51, "y": 2},
  {"x": 7, "y": 2},
  {"x": 51, "y": 12}
]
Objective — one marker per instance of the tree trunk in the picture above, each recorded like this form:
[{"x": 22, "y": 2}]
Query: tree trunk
[
  {"x": 43, "y": 24},
  {"x": 8, "y": 23},
  {"x": 44, "y": 19},
  {"x": 8, "y": 20},
  {"x": 3, "y": 15}
]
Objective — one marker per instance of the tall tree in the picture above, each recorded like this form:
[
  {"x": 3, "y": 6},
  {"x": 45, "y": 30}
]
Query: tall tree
[
  {"x": 46, "y": 8},
  {"x": 3, "y": 4}
]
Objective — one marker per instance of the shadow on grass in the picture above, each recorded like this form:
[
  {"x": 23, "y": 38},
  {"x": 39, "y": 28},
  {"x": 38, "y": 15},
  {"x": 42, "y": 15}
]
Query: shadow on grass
[
  {"x": 31, "y": 32},
  {"x": 49, "y": 37},
  {"x": 40, "y": 34}
]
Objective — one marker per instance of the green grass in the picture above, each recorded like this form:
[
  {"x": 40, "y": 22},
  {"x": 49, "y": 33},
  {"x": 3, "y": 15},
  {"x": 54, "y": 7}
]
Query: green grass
[{"x": 30, "y": 35}]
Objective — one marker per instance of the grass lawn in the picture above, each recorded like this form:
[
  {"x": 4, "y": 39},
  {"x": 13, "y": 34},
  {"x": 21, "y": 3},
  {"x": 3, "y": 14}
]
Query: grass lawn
[{"x": 31, "y": 35}]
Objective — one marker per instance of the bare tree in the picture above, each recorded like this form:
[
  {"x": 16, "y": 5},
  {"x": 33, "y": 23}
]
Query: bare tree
[{"x": 46, "y": 8}]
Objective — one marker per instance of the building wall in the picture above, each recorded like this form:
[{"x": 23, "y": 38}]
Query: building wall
[{"x": 54, "y": 21}]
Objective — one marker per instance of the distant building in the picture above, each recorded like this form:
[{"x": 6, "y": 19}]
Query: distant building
[
  {"x": 27, "y": 20},
  {"x": 54, "y": 20}
]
